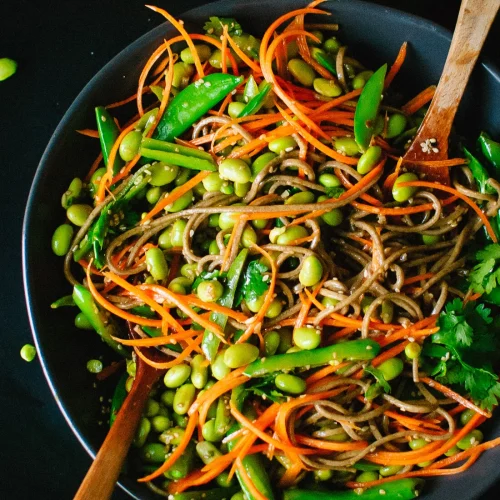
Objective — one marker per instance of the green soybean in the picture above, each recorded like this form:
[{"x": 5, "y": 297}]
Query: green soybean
[
  {"x": 347, "y": 146},
  {"x": 177, "y": 234},
  {"x": 172, "y": 436},
  {"x": 332, "y": 45},
  {"x": 404, "y": 193},
  {"x": 153, "y": 453},
  {"x": 291, "y": 234},
  {"x": 235, "y": 170},
  {"x": 8, "y": 67},
  {"x": 184, "y": 397},
  {"x": 235, "y": 108},
  {"x": 161, "y": 423},
  {"x": 153, "y": 195},
  {"x": 210, "y": 291},
  {"x": 286, "y": 340},
  {"x": 369, "y": 159},
  {"x": 152, "y": 408},
  {"x": 367, "y": 477},
  {"x": 182, "y": 177},
  {"x": 390, "y": 470},
  {"x": 165, "y": 238},
  {"x": 61, "y": 239},
  {"x": 391, "y": 368},
  {"x": 208, "y": 432},
  {"x": 204, "y": 52},
  {"x": 431, "y": 239},
  {"x": 227, "y": 220},
  {"x": 274, "y": 309},
  {"x": 212, "y": 182},
  {"x": 177, "y": 375},
  {"x": 282, "y": 144},
  {"x": 416, "y": 444},
  {"x": 474, "y": 438},
  {"x": 290, "y": 383},
  {"x": 327, "y": 88},
  {"x": 329, "y": 180},
  {"x": 28, "y": 352},
  {"x": 142, "y": 432},
  {"x": 300, "y": 198},
  {"x": 261, "y": 161},
  {"x": 78, "y": 214},
  {"x": 167, "y": 398},
  {"x": 180, "y": 203},
  {"x": 360, "y": 79},
  {"x": 302, "y": 72},
  {"x": 216, "y": 60},
  {"x": 156, "y": 263},
  {"x": 207, "y": 452},
  {"x": 82, "y": 322},
  {"x": 182, "y": 74},
  {"x": 271, "y": 342},
  {"x": 248, "y": 237},
  {"x": 413, "y": 350},
  {"x": 334, "y": 217},
  {"x": 465, "y": 416},
  {"x": 72, "y": 193},
  {"x": 311, "y": 272},
  {"x": 241, "y": 189},
  {"x": 306, "y": 337},
  {"x": 219, "y": 367},
  {"x": 199, "y": 371},
  {"x": 323, "y": 474},
  {"x": 213, "y": 248},
  {"x": 240, "y": 355},
  {"x": 130, "y": 144},
  {"x": 162, "y": 174},
  {"x": 395, "y": 125}
]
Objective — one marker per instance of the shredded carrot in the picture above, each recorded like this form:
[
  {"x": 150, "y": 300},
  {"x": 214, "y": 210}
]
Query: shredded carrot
[
  {"x": 397, "y": 65},
  {"x": 175, "y": 195},
  {"x": 331, "y": 445},
  {"x": 254, "y": 491},
  {"x": 419, "y": 277},
  {"x": 419, "y": 100},
  {"x": 460, "y": 195},
  {"x": 320, "y": 374},
  {"x": 87, "y": 132},
  {"x": 156, "y": 341},
  {"x": 414, "y": 209}
]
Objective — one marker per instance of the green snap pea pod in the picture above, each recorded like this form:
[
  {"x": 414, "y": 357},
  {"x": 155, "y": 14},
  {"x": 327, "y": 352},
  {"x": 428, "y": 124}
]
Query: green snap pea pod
[
  {"x": 108, "y": 133},
  {"x": 210, "y": 343},
  {"x": 172, "y": 147},
  {"x": 400, "y": 489},
  {"x": 213, "y": 494},
  {"x": 327, "y": 61},
  {"x": 118, "y": 398},
  {"x": 354, "y": 350},
  {"x": 85, "y": 302},
  {"x": 193, "y": 102},
  {"x": 479, "y": 173},
  {"x": 256, "y": 102},
  {"x": 65, "y": 301},
  {"x": 365, "y": 466},
  {"x": 251, "y": 89},
  {"x": 179, "y": 160},
  {"x": 367, "y": 108},
  {"x": 490, "y": 149}
]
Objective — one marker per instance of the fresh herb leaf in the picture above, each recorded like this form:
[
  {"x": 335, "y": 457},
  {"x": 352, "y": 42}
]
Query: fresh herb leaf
[
  {"x": 215, "y": 26},
  {"x": 379, "y": 377},
  {"x": 485, "y": 275},
  {"x": 335, "y": 192},
  {"x": 254, "y": 282}
]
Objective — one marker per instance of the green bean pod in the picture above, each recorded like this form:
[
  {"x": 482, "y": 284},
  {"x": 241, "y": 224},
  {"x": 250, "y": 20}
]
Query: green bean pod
[{"x": 108, "y": 133}]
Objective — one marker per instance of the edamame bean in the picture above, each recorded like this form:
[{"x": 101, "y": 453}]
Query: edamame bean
[
  {"x": 329, "y": 180},
  {"x": 223, "y": 480},
  {"x": 78, "y": 214},
  {"x": 387, "y": 311},
  {"x": 395, "y": 125},
  {"x": 178, "y": 228},
  {"x": 282, "y": 144},
  {"x": 153, "y": 195},
  {"x": 306, "y": 337},
  {"x": 227, "y": 220},
  {"x": 248, "y": 237},
  {"x": 152, "y": 408},
  {"x": 323, "y": 474},
  {"x": 167, "y": 398},
  {"x": 240, "y": 355},
  {"x": 82, "y": 322},
  {"x": 327, "y": 88},
  {"x": 390, "y": 470},
  {"x": 391, "y": 368},
  {"x": 300, "y": 198},
  {"x": 302, "y": 72},
  {"x": 212, "y": 182},
  {"x": 156, "y": 263},
  {"x": 204, "y": 52},
  {"x": 142, "y": 433},
  {"x": 291, "y": 234},
  {"x": 129, "y": 383},
  {"x": 360, "y": 79},
  {"x": 241, "y": 190},
  {"x": 214, "y": 249},
  {"x": 213, "y": 220},
  {"x": 219, "y": 367},
  {"x": 165, "y": 238},
  {"x": 208, "y": 432},
  {"x": 182, "y": 73},
  {"x": 333, "y": 218},
  {"x": 235, "y": 170},
  {"x": 332, "y": 45},
  {"x": 416, "y": 444},
  {"x": 8, "y": 67},
  {"x": 161, "y": 423},
  {"x": 369, "y": 159},
  {"x": 153, "y": 453},
  {"x": 346, "y": 146},
  {"x": 311, "y": 272},
  {"x": 180, "y": 203},
  {"x": 286, "y": 340},
  {"x": 94, "y": 366},
  {"x": 72, "y": 193},
  {"x": 209, "y": 291},
  {"x": 261, "y": 161},
  {"x": 474, "y": 438},
  {"x": 172, "y": 436},
  {"x": 412, "y": 350},
  {"x": 61, "y": 239},
  {"x": 255, "y": 305},
  {"x": 199, "y": 371},
  {"x": 452, "y": 451},
  {"x": 130, "y": 144},
  {"x": 176, "y": 376},
  {"x": 271, "y": 342},
  {"x": 290, "y": 383},
  {"x": 406, "y": 192},
  {"x": 162, "y": 174},
  {"x": 367, "y": 477},
  {"x": 182, "y": 176},
  {"x": 274, "y": 309},
  {"x": 183, "y": 399},
  {"x": 216, "y": 60},
  {"x": 207, "y": 452},
  {"x": 431, "y": 239},
  {"x": 235, "y": 108},
  {"x": 465, "y": 416},
  {"x": 96, "y": 179}
]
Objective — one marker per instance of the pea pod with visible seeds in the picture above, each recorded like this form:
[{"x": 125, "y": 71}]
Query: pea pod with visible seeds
[
  {"x": 108, "y": 133},
  {"x": 193, "y": 102},
  {"x": 256, "y": 102},
  {"x": 367, "y": 108}
]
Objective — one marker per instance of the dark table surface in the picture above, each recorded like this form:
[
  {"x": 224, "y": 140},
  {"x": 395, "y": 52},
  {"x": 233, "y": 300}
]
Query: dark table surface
[{"x": 60, "y": 45}]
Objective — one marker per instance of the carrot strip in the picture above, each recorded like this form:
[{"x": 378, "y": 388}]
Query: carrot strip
[
  {"x": 251, "y": 64},
  {"x": 174, "y": 195},
  {"x": 419, "y": 100},
  {"x": 88, "y": 132},
  {"x": 256, "y": 494},
  {"x": 212, "y": 306},
  {"x": 401, "y": 210},
  {"x": 320, "y": 374},
  {"x": 419, "y": 277},
  {"x": 331, "y": 445},
  {"x": 397, "y": 65},
  {"x": 155, "y": 341},
  {"x": 458, "y": 194}
]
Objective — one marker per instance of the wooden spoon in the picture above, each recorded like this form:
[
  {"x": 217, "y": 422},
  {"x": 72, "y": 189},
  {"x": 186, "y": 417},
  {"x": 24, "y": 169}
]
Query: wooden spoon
[
  {"x": 101, "y": 478},
  {"x": 431, "y": 142}
]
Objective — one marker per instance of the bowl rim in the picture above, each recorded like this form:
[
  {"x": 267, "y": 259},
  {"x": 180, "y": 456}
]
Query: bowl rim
[{"x": 135, "y": 46}]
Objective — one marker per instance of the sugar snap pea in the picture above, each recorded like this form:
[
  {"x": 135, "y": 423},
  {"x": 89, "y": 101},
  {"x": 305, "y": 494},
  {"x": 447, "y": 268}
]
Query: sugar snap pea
[
  {"x": 108, "y": 133},
  {"x": 490, "y": 149}
]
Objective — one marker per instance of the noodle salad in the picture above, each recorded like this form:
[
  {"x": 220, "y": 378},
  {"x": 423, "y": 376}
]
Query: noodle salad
[{"x": 327, "y": 313}]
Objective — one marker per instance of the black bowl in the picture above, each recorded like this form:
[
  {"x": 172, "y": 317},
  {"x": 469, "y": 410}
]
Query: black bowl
[{"x": 374, "y": 34}]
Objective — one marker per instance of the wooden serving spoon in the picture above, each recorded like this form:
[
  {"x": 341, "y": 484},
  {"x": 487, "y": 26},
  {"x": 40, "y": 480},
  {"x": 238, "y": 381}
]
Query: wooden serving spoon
[
  {"x": 101, "y": 478},
  {"x": 431, "y": 142}
]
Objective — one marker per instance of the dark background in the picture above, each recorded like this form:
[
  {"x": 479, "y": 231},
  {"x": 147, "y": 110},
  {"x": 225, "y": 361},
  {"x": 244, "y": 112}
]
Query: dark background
[{"x": 59, "y": 46}]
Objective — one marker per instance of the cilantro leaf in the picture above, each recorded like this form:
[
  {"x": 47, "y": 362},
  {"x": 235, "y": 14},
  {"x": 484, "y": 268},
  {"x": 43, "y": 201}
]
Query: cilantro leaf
[
  {"x": 334, "y": 192},
  {"x": 485, "y": 275},
  {"x": 215, "y": 26},
  {"x": 254, "y": 282}
]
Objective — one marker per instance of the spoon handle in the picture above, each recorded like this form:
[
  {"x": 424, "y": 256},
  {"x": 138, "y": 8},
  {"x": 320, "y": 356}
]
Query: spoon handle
[
  {"x": 101, "y": 478},
  {"x": 473, "y": 23}
]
